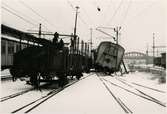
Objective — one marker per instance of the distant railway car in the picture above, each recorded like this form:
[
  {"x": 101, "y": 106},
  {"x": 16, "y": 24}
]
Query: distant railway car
[
  {"x": 163, "y": 60},
  {"x": 109, "y": 57},
  {"x": 8, "y": 48},
  {"x": 157, "y": 61},
  {"x": 12, "y": 41}
]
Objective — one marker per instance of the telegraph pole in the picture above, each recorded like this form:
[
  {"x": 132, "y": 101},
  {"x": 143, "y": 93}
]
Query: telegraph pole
[
  {"x": 76, "y": 15},
  {"x": 91, "y": 42},
  {"x": 39, "y": 33},
  {"x": 75, "y": 26},
  {"x": 147, "y": 50},
  {"x": 147, "y": 54},
  {"x": 91, "y": 38},
  {"x": 117, "y": 35},
  {"x": 117, "y": 29},
  {"x": 153, "y": 47}
]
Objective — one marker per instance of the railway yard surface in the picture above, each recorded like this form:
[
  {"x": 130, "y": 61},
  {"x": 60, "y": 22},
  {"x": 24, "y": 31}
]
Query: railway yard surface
[{"x": 94, "y": 93}]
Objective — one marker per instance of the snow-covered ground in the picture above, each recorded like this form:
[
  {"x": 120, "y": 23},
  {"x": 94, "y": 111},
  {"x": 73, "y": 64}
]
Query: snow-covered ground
[
  {"x": 137, "y": 104},
  {"x": 5, "y": 73},
  {"x": 89, "y": 96}
]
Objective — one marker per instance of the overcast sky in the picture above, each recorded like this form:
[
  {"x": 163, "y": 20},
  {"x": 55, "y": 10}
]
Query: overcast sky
[{"x": 138, "y": 19}]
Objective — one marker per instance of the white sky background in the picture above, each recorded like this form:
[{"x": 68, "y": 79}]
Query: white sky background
[{"x": 138, "y": 19}]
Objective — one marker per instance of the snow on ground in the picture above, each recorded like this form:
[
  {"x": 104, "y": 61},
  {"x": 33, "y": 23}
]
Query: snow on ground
[
  {"x": 147, "y": 79},
  {"x": 9, "y": 87},
  {"x": 89, "y": 96},
  {"x": 4, "y": 73},
  {"x": 137, "y": 104}
]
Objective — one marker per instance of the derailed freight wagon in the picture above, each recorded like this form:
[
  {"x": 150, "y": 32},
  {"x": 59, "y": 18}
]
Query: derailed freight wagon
[{"x": 109, "y": 57}]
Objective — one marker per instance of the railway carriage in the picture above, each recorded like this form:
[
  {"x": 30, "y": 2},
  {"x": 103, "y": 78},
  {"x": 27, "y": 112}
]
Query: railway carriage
[
  {"x": 13, "y": 40},
  {"x": 160, "y": 61},
  {"x": 8, "y": 48},
  {"x": 109, "y": 57}
]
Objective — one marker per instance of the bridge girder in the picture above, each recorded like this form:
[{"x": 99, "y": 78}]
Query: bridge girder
[{"x": 135, "y": 55}]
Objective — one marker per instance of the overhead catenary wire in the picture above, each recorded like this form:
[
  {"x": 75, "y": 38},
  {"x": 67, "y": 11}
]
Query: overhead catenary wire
[
  {"x": 23, "y": 15},
  {"x": 116, "y": 11},
  {"x": 19, "y": 13},
  {"x": 107, "y": 9},
  {"x": 126, "y": 12},
  {"x": 90, "y": 19},
  {"x": 141, "y": 12},
  {"x": 35, "y": 12},
  {"x": 13, "y": 13},
  {"x": 16, "y": 11},
  {"x": 71, "y": 5}
]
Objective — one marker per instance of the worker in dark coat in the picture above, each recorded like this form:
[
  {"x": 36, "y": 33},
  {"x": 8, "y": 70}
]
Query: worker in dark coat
[
  {"x": 61, "y": 44},
  {"x": 55, "y": 39}
]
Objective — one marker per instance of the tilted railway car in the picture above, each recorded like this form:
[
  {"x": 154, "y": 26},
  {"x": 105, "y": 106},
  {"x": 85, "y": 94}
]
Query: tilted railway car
[{"x": 109, "y": 57}]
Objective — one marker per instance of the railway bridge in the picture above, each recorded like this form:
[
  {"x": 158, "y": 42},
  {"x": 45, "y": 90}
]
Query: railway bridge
[{"x": 137, "y": 58}]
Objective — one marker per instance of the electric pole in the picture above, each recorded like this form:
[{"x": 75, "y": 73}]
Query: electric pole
[
  {"x": 75, "y": 26},
  {"x": 91, "y": 39},
  {"x": 39, "y": 30},
  {"x": 147, "y": 54},
  {"x": 91, "y": 42},
  {"x": 153, "y": 48},
  {"x": 117, "y": 35},
  {"x": 117, "y": 29}
]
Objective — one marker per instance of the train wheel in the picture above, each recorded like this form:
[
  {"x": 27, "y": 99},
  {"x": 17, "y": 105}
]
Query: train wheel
[
  {"x": 63, "y": 81},
  {"x": 78, "y": 77},
  {"x": 14, "y": 74},
  {"x": 37, "y": 84},
  {"x": 35, "y": 80}
]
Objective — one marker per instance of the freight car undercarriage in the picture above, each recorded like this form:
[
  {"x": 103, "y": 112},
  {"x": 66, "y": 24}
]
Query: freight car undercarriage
[{"x": 35, "y": 79}]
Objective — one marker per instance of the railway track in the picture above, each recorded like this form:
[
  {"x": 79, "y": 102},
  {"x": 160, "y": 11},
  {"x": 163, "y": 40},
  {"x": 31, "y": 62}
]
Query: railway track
[
  {"x": 15, "y": 95},
  {"x": 139, "y": 93},
  {"x": 41, "y": 100},
  {"x": 125, "y": 108},
  {"x": 150, "y": 88},
  {"x": 126, "y": 83},
  {"x": 20, "y": 93}
]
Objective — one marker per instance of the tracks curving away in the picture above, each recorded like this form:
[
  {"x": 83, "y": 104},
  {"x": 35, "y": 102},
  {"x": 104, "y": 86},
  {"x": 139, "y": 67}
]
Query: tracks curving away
[{"x": 140, "y": 94}]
